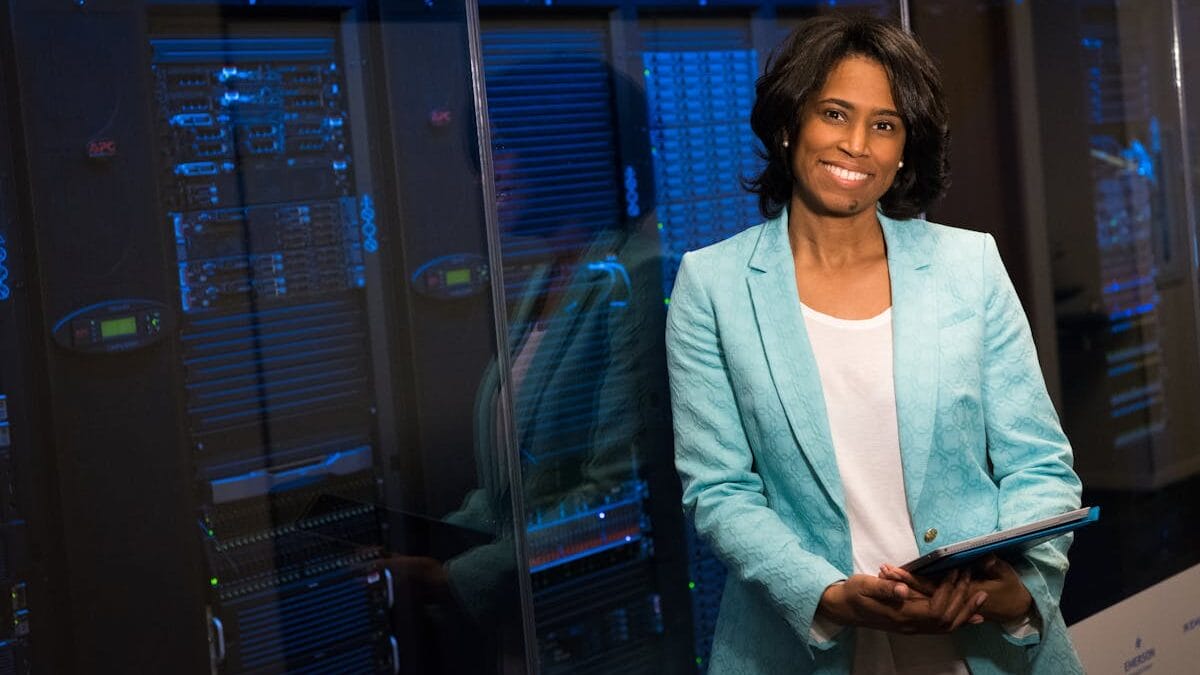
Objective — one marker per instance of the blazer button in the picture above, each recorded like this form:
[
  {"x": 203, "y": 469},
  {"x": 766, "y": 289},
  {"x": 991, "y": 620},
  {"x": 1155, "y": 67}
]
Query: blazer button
[{"x": 930, "y": 535}]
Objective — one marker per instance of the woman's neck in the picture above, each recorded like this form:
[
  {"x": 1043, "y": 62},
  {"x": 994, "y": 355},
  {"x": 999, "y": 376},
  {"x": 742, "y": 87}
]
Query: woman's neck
[{"x": 830, "y": 242}]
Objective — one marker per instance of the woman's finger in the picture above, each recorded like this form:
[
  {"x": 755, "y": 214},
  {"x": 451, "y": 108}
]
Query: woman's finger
[
  {"x": 940, "y": 599},
  {"x": 920, "y": 584},
  {"x": 967, "y": 614},
  {"x": 881, "y": 590},
  {"x": 956, "y": 601}
]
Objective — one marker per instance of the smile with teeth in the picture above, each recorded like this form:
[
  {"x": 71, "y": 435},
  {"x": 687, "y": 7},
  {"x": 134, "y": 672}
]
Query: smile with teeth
[{"x": 844, "y": 174}]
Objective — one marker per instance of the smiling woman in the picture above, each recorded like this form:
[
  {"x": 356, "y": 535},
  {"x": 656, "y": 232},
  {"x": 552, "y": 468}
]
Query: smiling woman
[
  {"x": 844, "y": 376},
  {"x": 851, "y": 143}
]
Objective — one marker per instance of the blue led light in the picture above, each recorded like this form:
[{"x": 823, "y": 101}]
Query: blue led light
[
  {"x": 5, "y": 292},
  {"x": 369, "y": 229},
  {"x": 631, "y": 193},
  {"x": 1132, "y": 311}
]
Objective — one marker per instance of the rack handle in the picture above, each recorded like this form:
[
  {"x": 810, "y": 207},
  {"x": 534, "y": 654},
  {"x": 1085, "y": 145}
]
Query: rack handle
[{"x": 219, "y": 630}]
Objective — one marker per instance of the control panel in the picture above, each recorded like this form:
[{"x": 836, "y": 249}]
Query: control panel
[{"x": 116, "y": 326}]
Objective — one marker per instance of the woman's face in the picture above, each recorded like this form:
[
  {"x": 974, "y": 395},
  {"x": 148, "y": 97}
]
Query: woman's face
[{"x": 850, "y": 143}]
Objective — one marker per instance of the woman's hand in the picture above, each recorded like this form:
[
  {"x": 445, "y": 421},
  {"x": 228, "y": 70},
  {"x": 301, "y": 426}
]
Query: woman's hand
[
  {"x": 1007, "y": 598},
  {"x": 883, "y": 604},
  {"x": 421, "y": 577}
]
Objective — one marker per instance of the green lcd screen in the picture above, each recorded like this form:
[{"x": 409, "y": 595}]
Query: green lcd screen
[
  {"x": 456, "y": 277},
  {"x": 114, "y": 328}
]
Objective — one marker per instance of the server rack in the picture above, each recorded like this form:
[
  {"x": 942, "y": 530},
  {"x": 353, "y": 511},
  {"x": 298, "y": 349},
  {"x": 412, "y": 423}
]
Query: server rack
[
  {"x": 247, "y": 418},
  {"x": 581, "y": 278},
  {"x": 1125, "y": 303},
  {"x": 21, "y": 587},
  {"x": 1121, "y": 236}
]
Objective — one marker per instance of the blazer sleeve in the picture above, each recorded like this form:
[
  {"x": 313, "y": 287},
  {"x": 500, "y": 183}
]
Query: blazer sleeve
[
  {"x": 721, "y": 490},
  {"x": 1030, "y": 455}
]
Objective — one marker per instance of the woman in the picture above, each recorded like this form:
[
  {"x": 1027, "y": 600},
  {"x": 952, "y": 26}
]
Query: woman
[{"x": 853, "y": 387}]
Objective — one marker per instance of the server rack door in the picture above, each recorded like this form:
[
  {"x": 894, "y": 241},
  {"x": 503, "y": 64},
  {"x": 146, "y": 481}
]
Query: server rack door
[
  {"x": 582, "y": 271},
  {"x": 109, "y": 422},
  {"x": 621, "y": 133},
  {"x": 1120, "y": 242},
  {"x": 22, "y": 577},
  {"x": 1141, "y": 292},
  {"x": 268, "y": 329},
  {"x": 1123, "y": 271}
]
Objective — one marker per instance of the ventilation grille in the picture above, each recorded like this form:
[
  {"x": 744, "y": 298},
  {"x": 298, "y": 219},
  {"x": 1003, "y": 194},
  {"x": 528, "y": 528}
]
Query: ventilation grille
[
  {"x": 245, "y": 368},
  {"x": 550, "y": 104},
  {"x": 303, "y": 628}
]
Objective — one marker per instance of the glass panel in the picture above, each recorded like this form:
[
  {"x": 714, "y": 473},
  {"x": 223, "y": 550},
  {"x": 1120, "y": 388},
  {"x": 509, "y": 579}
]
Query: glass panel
[
  {"x": 248, "y": 383},
  {"x": 620, "y": 142},
  {"x": 1121, "y": 243}
]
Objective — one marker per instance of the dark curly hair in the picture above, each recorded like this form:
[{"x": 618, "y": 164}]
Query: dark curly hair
[{"x": 798, "y": 69}]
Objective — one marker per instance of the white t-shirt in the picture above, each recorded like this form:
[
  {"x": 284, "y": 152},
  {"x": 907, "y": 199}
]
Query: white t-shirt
[{"x": 854, "y": 358}]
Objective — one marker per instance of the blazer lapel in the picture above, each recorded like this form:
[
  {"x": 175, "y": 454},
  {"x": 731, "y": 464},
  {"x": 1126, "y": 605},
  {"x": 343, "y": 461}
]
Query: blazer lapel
[
  {"x": 914, "y": 346},
  {"x": 789, "y": 354}
]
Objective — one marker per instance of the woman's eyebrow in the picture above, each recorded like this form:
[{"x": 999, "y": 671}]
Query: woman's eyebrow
[{"x": 850, "y": 106}]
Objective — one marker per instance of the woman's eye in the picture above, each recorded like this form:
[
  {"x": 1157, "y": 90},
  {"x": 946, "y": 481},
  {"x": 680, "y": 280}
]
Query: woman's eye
[
  {"x": 835, "y": 114},
  {"x": 885, "y": 126}
]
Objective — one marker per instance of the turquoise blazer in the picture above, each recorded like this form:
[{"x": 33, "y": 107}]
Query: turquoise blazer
[{"x": 981, "y": 445}]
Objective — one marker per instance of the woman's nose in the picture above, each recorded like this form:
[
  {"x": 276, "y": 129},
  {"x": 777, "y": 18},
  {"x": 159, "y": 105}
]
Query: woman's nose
[{"x": 854, "y": 141}]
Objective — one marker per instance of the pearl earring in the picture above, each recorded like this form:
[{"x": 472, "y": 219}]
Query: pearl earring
[
  {"x": 785, "y": 144},
  {"x": 901, "y": 165}
]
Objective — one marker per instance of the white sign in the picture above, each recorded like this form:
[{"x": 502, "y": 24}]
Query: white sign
[{"x": 1155, "y": 631}]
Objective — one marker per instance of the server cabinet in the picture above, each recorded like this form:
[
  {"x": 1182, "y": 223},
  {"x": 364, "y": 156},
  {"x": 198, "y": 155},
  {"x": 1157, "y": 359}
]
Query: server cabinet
[
  {"x": 582, "y": 273},
  {"x": 621, "y": 135},
  {"x": 1121, "y": 240},
  {"x": 260, "y": 328},
  {"x": 1121, "y": 234},
  {"x": 21, "y": 585}
]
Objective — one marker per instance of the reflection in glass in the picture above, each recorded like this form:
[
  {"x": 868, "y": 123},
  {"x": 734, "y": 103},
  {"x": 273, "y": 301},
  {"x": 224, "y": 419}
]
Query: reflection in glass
[
  {"x": 258, "y": 316},
  {"x": 1122, "y": 240},
  {"x": 618, "y": 146}
]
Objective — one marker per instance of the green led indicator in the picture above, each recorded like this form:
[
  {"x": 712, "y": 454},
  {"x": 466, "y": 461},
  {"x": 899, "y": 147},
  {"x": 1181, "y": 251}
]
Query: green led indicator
[
  {"x": 211, "y": 533},
  {"x": 646, "y": 72},
  {"x": 699, "y": 660},
  {"x": 666, "y": 301},
  {"x": 691, "y": 585},
  {"x": 660, "y": 226},
  {"x": 212, "y": 581}
]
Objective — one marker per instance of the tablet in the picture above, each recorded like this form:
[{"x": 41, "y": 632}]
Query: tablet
[{"x": 1005, "y": 541}]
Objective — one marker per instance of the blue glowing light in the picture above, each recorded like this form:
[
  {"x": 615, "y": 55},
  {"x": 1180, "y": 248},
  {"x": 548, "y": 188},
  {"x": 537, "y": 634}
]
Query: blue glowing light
[
  {"x": 369, "y": 229},
  {"x": 5, "y": 292}
]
